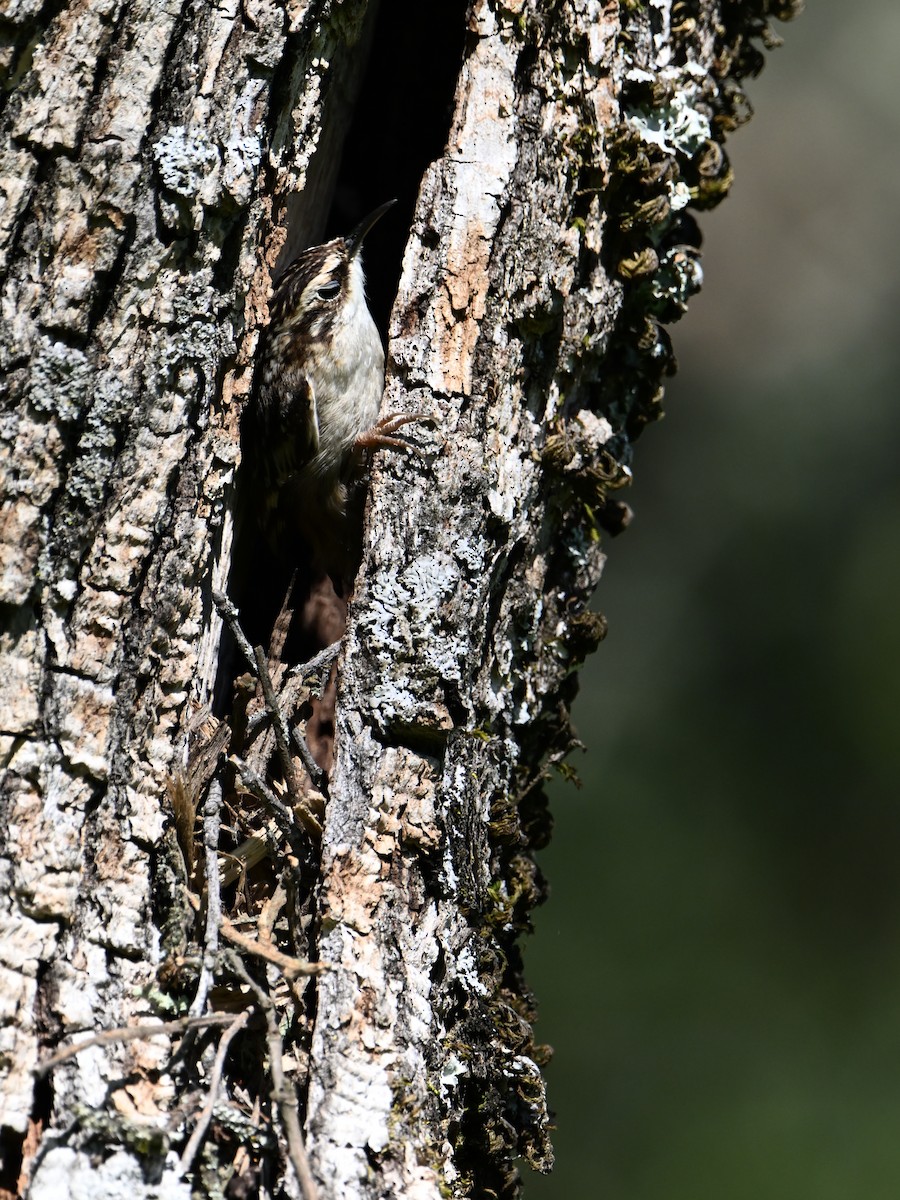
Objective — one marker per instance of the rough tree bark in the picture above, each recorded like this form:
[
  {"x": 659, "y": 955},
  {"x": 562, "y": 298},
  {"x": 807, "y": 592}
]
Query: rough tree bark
[{"x": 157, "y": 158}]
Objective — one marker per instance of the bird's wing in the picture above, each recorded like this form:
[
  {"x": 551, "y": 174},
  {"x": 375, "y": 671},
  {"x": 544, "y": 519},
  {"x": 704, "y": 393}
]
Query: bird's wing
[{"x": 288, "y": 427}]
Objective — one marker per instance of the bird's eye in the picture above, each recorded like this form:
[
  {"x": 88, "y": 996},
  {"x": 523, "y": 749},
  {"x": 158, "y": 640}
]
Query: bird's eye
[{"x": 329, "y": 291}]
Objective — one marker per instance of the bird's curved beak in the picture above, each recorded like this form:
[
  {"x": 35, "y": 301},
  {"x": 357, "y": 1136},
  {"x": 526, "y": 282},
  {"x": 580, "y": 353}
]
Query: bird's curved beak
[{"x": 354, "y": 240}]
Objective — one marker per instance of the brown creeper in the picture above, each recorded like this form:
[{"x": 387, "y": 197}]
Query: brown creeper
[{"x": 320, "y": 392}]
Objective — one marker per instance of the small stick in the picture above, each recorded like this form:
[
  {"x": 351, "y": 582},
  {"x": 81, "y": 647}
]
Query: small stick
[
  {"x": 229, "y": 614},
  {"x": 268, "y": 914},
  {"x": 280, "y": 729},
  {"x": 282, "y": 625},
  {"x": 317, "y": 774},
  {"x": 130, "y": 1033},
  {"x": 212, "y": 813},
  {"x": 290, "y": 967},
  {"x": 279, "y": 725},
  {"x": 312, "y": 665},
  {"x": 276, "y": 807},
  {"x": 215, "y": 1082},
  {"x": 302, "y": 671},
  {"x": 256, "y": 657},
  {"x": 283, "y": 1093}
]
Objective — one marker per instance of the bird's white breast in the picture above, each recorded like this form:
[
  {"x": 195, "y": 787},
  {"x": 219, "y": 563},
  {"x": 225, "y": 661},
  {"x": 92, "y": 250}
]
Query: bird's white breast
[{"x": 348, "y": 389}]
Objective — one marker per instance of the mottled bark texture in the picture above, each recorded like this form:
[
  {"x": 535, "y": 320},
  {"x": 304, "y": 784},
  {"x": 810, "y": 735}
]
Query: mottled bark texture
[{"x": 156, "y": 158}]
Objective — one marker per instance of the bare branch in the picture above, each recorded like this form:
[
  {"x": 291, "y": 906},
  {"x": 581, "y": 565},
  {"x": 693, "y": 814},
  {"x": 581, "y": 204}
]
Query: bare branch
[
  {"x": 291, "y": 967},
  {"x": 229, "y": 614},
  {"x": 280, "y": 729},
  {"x": 215, "y": 1082},
  {"x": 211, "y": 823},
  {"x": 276, "y": 807},
  {"x": 313, "y": 665},
  {"x": 131, "y": 1033},
  {"x": 283, "y": 1093}
]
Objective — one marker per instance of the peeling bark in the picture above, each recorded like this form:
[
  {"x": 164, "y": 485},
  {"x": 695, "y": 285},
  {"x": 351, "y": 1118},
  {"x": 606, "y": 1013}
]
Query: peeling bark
[{"x": 157, "y": 160}]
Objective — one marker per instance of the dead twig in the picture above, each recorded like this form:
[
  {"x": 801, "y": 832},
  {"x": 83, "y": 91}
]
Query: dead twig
[
  {"x": 280, "y": 729},
  {"x": 212, "y": 810},
  {"x": 317, "y": 774},
  {"x": 279, "y": 725},
  {"x": 256, "y": 658},
  {"x": 289, "y": 966},
  {"x": 265, "y": 922},
  {"x": 283, "y": 1094},
  {"x": 276, "y": 807},
  {"x": 295, "y": 681},
  {"x": 215, "y": 1082},
  {"x": 282, "y": 626},
  {"x": 313, "y": 665},
  {"x": 131, "y": 1033},
  {"x": 229, "y": 614}
]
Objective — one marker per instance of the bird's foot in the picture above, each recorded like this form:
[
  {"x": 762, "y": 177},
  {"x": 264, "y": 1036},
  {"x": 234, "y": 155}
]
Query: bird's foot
[{"x": 381, "y": 435}]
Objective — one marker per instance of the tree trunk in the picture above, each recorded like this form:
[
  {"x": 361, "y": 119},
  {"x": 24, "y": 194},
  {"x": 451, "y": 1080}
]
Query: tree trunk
[{"x": 159, "y": 160}]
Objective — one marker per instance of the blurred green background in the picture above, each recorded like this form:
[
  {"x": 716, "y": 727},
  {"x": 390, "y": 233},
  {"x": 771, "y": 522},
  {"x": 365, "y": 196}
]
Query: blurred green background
[{"x": 718, "y": 967}]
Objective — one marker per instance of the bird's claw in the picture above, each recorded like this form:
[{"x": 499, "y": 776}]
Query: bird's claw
[{"x": 381, "y": 435}]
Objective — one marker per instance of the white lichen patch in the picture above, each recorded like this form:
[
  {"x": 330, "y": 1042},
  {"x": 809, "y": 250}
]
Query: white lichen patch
[
  {"x": 662, "y": 35},
  {"x": 24, "y": 945},
  {"x": 189, "y": 167},
  {"x": 243, "y": 146},
  {"x": 59, "y": 380},
  {"x": 44, "y": 835},
  {"x": 678, "y": 126},
  {"x": 595, "y": 430},
  {"x": 481, "y": 156},
  {"x": 511, "y": 474},
  {"x": 63, "y": 1171},
  {"x": 187, "y": 162},
  {"x": 467, "y": 973},
  {"x": 679, "y": 195},
  {"x": 374, "y": 1021},
  {"x": 405, "y": 617},
  {"x": 241, "y": 161},
  {"x": 452, "y": 1070}
]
